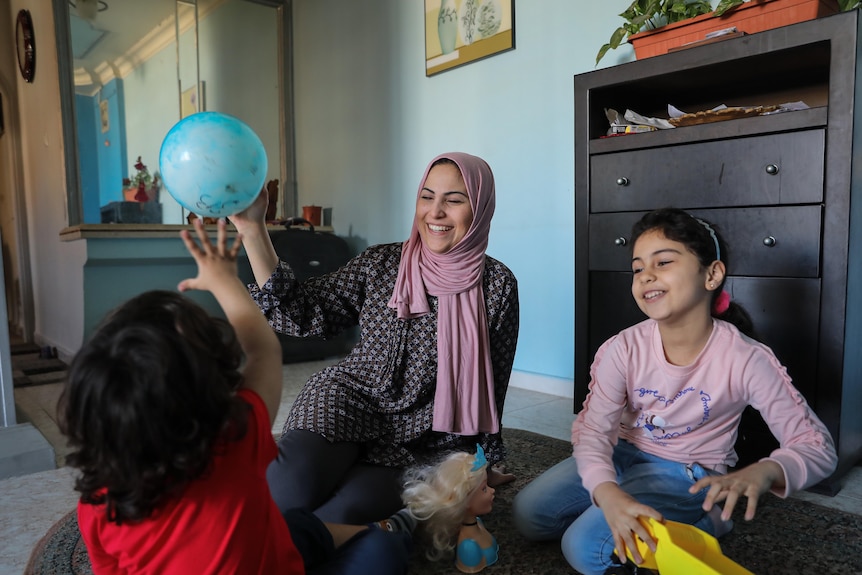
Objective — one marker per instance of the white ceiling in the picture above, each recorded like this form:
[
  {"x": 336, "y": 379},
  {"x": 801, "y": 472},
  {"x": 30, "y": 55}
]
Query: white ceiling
[
  {"x": 116, "y": 29},
  {"x": 124, "y": 34}
]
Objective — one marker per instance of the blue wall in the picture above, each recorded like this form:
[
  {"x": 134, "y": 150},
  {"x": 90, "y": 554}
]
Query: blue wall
[
  {"x": 88, "y": 155},
  {"x": 112, "y": 145},
  {"x": 101, "y": 155}
]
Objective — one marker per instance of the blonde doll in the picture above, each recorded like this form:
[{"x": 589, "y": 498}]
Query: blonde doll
[{"x": 448, "y": 497}]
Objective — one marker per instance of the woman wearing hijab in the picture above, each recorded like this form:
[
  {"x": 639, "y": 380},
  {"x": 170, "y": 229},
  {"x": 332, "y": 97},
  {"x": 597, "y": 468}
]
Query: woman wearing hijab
[{"x": 438, "y": 328}]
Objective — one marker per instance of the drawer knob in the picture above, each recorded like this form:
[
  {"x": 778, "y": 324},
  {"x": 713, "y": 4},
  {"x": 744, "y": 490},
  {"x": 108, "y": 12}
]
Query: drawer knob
[
  {"x": 622, "y": 181},
  {"x": 771, "y": 169},
  {"x": 769, "y": 241},
  {"x": 620, "y": 241}
]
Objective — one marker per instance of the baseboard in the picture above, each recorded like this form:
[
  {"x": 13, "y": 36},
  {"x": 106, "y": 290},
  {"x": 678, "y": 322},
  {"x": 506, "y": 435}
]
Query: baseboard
[
  {"x": 63, "y": 354},
  {"x": 543, "y": 383}
]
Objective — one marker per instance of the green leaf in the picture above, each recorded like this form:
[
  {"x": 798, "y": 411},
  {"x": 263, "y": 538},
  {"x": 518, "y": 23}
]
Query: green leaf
[
  {"x": 638, "y": 22},
  {"x": 726, "y": 5},
  {"x": 602, "y": 51},
  {"x": 617, "y": 37}
]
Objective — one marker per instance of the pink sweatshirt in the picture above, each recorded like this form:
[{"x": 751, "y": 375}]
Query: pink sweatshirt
[{"x": 691, "y": 413}]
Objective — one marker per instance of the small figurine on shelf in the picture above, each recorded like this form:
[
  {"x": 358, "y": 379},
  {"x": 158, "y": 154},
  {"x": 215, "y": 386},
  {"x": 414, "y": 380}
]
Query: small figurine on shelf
[
  {"x": 448, "y": 497},
  {"x": 137, "y": 187},
  {"x": 272, "y": 205}
]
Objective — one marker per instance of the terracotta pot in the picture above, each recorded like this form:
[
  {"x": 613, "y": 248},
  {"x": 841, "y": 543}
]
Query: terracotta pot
[
  {"x": 312, "y": 214},
  {"x": 755, "y": 16}
]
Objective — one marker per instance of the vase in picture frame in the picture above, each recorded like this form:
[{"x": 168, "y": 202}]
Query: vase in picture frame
[
  {"x": 489, "y": 19},
  {"x": 447, "y": 26}
]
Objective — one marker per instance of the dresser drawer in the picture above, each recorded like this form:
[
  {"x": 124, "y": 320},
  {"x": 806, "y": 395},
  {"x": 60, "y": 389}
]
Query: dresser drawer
[
  {"x": 762, "y": 170},
  {"x": 794, "y": 231}
]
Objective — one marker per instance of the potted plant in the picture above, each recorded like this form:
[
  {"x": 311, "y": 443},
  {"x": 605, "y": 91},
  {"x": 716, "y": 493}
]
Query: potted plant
[
  {"x": 654, "y": 27},
  {"x": 137, "y": 186},
  {"x": 652, "y": 14}
]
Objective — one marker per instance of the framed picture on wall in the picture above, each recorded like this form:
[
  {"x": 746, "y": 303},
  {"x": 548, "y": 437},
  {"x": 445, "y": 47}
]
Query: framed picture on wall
[
  {"x": 458, "y": 32},
  {"x": 192, "y": 101},
  {"x": 104, "y": 116}
]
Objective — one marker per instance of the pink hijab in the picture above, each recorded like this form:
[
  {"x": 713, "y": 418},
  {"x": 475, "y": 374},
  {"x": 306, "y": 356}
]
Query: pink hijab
[{"x": 464, "y": 398}]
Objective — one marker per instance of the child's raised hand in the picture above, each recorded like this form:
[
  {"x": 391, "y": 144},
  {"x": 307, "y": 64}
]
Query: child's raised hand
[
  {"x": 621, "y": 513},
  {"x": 216, "y": 263},
  {"x": 751, "y": 482}
]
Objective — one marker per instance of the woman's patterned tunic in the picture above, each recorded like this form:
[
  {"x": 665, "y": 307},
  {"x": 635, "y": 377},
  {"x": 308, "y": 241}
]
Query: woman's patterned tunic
[{"x": 382, "y": 393}]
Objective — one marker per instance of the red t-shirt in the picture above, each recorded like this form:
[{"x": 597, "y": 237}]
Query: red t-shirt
[{"x": 225, "y": 522}]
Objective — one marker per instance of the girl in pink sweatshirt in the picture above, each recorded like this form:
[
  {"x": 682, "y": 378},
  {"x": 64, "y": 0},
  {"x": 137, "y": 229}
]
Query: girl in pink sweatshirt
[{"x": 656, "y": 434}]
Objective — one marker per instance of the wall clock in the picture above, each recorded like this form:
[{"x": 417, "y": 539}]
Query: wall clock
[{"x": 25, "y": 41}]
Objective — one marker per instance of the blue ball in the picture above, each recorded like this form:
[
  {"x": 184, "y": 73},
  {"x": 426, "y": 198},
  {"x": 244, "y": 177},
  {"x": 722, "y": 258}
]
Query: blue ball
[{"x": 213, "y": 164}]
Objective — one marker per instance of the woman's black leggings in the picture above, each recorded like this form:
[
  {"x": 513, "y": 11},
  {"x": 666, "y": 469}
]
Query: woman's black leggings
[{"x": 328, "y": 479}]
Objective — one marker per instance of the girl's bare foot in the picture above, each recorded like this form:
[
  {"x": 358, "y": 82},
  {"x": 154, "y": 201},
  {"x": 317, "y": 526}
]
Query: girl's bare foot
[{"x": 498, "y": 475}]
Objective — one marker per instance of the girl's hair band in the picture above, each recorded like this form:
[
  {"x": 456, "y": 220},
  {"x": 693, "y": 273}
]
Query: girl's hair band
[{"x": 713, "y": 236}]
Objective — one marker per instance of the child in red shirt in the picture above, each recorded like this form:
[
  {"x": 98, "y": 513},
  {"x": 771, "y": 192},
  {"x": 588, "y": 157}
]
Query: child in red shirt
[{"x": 169, "y": 412}]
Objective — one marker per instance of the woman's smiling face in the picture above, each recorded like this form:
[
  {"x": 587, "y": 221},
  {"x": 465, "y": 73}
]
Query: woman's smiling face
[{"x": 443, "y": 212}]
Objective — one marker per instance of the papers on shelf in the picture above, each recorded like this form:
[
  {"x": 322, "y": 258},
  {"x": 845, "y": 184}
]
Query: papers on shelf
[{"x": 633, "y": 123}]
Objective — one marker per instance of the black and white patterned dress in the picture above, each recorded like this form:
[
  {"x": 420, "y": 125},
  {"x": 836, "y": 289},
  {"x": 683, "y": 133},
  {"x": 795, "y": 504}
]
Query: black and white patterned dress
[{"x": 382, "y": 393}]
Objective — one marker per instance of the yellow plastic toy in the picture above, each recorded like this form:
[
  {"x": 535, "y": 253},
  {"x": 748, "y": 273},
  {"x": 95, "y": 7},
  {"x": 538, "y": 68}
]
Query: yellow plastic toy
[{"x": 683, "y": 549}]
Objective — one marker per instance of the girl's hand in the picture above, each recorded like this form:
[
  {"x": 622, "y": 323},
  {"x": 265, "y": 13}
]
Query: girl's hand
[
  {"x": 621, "y": 512},
  {"x": 216, "y": 263},
  {"x": 751, "y": 482}
]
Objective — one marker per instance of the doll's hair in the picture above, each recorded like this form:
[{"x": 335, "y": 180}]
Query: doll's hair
[
  {"x": 438, "y": 495},
  {"x": 149, "y": 399},
  {"x": 704, "y": 240}
]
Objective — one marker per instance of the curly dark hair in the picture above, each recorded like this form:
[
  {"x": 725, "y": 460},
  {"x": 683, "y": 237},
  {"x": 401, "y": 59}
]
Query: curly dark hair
[
  {"x": 680, "y": 226},
  {"x": 149, "y": 399}
]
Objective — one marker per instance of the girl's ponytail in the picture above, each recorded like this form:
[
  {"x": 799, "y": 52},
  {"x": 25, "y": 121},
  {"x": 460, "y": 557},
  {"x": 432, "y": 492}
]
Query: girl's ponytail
[{"x": 735, "y": 314}]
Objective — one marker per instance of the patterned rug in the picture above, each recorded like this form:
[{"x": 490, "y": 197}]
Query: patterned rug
[{"x": 787, "y": 537}]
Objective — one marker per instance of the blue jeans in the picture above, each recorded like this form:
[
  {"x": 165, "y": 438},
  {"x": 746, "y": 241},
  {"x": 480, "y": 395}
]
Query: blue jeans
[{"x": 556, "y": 505}]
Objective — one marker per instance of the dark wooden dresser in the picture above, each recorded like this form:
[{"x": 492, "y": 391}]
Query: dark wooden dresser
[{"x": 784, "y": 189}]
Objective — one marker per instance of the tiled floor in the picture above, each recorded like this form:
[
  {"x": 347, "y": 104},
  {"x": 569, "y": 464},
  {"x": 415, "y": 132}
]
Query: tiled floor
[{"x": 31, "y": 504}]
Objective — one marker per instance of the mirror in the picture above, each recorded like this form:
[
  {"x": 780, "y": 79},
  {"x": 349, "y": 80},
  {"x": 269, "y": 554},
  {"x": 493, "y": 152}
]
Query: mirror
[{"x": 137, "y": 68}]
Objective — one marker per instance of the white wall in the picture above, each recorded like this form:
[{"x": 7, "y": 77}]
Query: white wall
[
  {"x": 57, "y": 267},
  {"x": 368, "y": 121}
]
